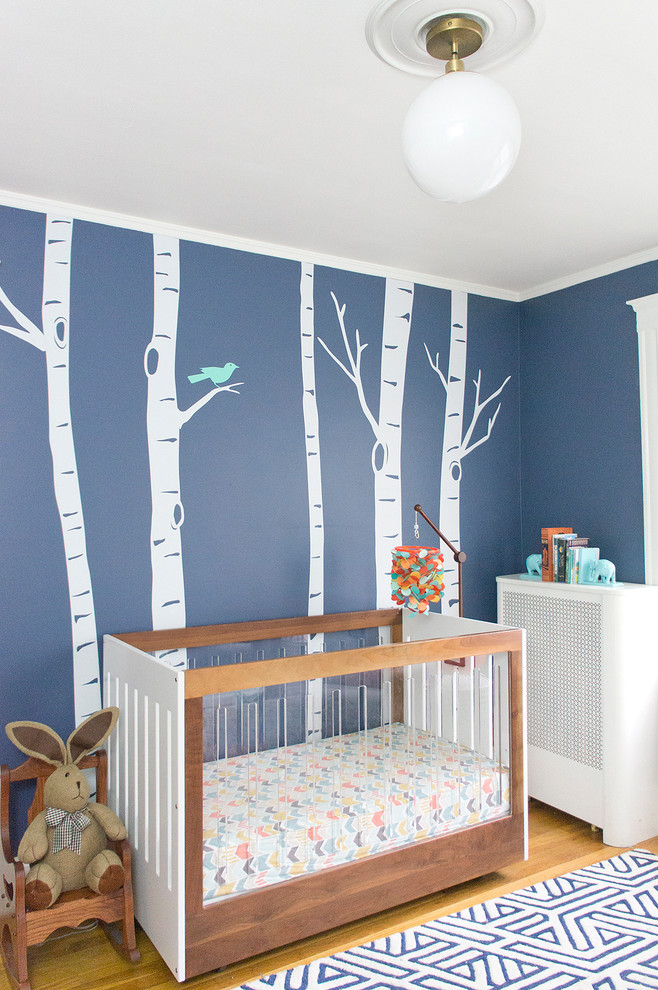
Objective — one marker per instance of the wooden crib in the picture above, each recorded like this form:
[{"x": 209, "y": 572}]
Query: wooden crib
[{"x": 281, "y": 778}]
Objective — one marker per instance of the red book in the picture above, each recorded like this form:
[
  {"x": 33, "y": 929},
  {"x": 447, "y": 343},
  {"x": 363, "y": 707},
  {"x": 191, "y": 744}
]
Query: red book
[{"x": 547, "y": 534}]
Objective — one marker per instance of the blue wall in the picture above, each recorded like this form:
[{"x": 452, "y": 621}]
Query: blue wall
[
  {"x": 580, "y": 416},
  {"x": 245, "y": 538},
  {"x": 565, "y": 447}
]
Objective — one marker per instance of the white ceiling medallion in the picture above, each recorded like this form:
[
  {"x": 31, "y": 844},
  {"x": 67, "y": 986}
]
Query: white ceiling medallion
[{"x": 396, "y": 31}]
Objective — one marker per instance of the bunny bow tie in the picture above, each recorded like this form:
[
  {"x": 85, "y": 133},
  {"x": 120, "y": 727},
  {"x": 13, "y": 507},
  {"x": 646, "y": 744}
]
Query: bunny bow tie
[{"x": 68, "y": 826}]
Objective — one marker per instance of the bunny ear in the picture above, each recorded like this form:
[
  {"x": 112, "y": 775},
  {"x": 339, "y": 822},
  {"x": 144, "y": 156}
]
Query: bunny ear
[
  {"x": 91, "y": 733},
  {"x": 37, "y": 739}
]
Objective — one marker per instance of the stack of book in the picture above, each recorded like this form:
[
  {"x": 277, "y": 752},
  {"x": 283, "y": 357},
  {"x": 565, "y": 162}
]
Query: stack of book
[{"x": 567, "y": 557}]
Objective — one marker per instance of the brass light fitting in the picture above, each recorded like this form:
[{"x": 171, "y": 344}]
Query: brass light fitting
[
  {"x": 452, "y": 36},
  {"x": 397, "y": 31}
]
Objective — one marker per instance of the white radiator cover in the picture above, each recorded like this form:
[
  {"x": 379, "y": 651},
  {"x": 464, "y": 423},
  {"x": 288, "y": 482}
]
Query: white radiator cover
[{"x": 592, "y": 700}]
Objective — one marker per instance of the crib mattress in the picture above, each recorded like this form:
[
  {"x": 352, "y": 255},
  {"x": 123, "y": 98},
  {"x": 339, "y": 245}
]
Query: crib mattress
[{"x": 277, "y": 814}]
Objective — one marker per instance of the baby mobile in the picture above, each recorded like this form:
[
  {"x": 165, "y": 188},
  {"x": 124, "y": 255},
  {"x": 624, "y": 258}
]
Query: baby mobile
[{"x": 417, "y": 571}]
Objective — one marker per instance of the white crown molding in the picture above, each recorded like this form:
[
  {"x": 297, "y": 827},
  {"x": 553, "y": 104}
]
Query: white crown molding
[
  {"x": 35, "y": 204},
  {"x": 38, "y": 205},
  {"x": 609, "y": 268}
]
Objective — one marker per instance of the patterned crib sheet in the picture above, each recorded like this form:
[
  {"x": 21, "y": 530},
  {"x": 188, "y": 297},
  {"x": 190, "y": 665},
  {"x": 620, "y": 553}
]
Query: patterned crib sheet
[{"x": 277, "y": 814}]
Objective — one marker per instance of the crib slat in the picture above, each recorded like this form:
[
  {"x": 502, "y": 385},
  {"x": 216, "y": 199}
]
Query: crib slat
[{"x": 193, "y": 803}]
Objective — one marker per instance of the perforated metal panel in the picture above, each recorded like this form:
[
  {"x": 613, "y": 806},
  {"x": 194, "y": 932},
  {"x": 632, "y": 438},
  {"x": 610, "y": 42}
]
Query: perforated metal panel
[{"x": 563, "y": 672}]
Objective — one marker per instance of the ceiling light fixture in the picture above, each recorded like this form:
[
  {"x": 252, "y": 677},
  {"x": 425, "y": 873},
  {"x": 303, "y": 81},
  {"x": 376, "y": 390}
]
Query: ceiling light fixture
[{"x": 462, "y": 134}]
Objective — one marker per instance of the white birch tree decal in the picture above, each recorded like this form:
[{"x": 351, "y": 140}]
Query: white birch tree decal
[
  {"x": 387, "y": 426},
  {"x": 312, "y": 443},
  {"x": 457, "y": 444},
  {"x": 164, "y": 420},
  {"x": 53, "y": 339},
  {"x": 313, "y": 484}
]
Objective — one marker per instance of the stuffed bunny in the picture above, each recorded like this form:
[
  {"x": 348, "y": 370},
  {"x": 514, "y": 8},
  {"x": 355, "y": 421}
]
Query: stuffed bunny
[{"x": 66, "y": 844}]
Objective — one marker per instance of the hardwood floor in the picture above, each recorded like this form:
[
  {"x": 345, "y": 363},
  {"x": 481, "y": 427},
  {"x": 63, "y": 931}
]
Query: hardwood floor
[{"x": 85, "y": 960}]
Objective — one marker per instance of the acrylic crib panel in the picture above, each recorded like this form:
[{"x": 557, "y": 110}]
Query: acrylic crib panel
[
  {"x": 283, "y": 797},
  {"x": 304, "y": 703},
  {"x": 308, "y": 784}
]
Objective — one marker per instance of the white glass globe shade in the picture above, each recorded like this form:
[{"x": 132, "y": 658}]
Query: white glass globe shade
[{"x": 461, "y": 136}]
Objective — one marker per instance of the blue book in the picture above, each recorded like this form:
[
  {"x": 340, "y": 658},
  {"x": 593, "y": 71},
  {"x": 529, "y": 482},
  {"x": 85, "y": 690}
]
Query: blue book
[
  {"x": 584, "y": 561},
  {"x": 580, "y": 541}
]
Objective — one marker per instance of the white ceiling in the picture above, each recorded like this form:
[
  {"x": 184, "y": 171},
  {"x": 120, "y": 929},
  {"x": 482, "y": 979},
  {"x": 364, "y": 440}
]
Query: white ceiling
[{"x": 275, "y": 122}]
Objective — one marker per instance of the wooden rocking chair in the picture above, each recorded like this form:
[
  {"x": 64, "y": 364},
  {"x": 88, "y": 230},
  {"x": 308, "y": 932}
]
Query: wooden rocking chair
[{"x": 21, "y": 927}]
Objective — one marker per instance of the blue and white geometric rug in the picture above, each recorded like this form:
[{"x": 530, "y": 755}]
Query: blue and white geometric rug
[{"x": 595, "y": 929}]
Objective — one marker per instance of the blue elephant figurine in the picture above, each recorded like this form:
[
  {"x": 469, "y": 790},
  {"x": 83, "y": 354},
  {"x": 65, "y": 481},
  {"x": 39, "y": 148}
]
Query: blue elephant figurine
[
  {"x": 604, "y": 571},
  {"x": 533, "y": 564}
]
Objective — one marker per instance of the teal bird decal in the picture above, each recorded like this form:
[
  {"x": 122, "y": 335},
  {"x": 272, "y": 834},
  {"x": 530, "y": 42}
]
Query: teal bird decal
[{"x": 216, "y": 375}]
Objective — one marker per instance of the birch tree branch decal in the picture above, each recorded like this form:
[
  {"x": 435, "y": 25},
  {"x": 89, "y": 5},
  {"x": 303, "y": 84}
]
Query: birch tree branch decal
[
  {"x": 387, "y": 427},
  {"x": 354, "y": 374},
  {"x": 26, "y": 330},
  {"x": 435, "y": 365},
  {"x": 457, "y": 443},
  {"x": 186, "y": 414},
  {"x": 53, "y": 340},
  {"x": 467, "y": 445},
  {"x": 164, "y": 420}
]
